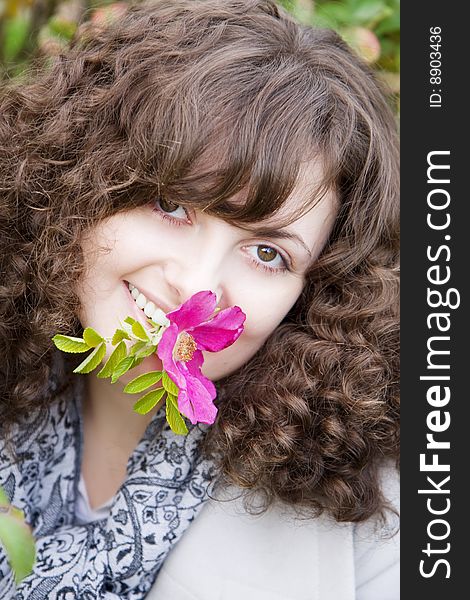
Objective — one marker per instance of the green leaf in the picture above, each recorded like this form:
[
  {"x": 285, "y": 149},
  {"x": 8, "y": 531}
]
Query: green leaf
[
  {"x": 139, "y": 331},
  {"x": 147, "y": 402},
  {"x": 92, "y": 360},
  {"x": 122, "y": 367},
  {"x": 92, "y": 337},
  {"x": 74, "y": 345},
  {"x": 64, "y": 28},
  {"x": 137, "y": 347},
  {"x": 15, "y": 33},
  {"x": 174, "y": 417},
  {"x": 370, "y": 12},
  {"x": 173, "y": 399},
  {"x": 141, "y": 383},
  {"x": 18, "y": 541},
  {"x": 4, "y": 500},
  {"x": 169, "y": 385},
  {"x": 389, "y": 25},
  {"x": 127, "y": 327},
  {"x": 120, "y": 335},
  {"x": 118, "y": 354},
  {"x": 334, "y": 14},
  {"x": 150, "y": 349}
]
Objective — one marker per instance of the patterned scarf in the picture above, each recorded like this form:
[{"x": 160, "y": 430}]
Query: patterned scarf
[{"x": 119, "y": 557}]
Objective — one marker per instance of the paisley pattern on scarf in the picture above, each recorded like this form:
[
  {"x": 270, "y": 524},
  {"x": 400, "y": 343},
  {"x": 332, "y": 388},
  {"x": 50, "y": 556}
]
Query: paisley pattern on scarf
[{"x": 119, "y": 557}]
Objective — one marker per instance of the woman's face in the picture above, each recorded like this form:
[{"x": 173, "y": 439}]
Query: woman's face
[{"x": 169, "y": 253}]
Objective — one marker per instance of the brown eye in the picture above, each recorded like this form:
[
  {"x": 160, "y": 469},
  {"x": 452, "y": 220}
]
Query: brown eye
[
  {"x": 168, "y": 206},
  {"x": 268, "y": 258},
  {"x": 172, "y": 210},
  {"x": 266, "y": 253}
]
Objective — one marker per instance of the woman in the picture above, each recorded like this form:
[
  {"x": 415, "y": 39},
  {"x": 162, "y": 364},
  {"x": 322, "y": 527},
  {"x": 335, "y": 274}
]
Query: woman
[{"x": 204, "y": 145}]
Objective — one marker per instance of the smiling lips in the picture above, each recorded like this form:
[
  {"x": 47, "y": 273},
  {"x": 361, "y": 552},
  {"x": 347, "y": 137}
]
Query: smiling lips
[{"x": 150, "y": 309}]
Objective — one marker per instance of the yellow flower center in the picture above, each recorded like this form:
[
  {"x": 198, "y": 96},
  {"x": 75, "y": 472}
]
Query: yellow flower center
[{"x": 185, "y": 347}]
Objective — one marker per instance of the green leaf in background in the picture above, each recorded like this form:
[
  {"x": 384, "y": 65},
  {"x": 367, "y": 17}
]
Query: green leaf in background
[
  {"x": 369, "y": 12},
  {"x": 117, "y": 355},
  {"x": 92, "y": 360},
  {"x": 389, "y": 25},
  {"x": 141, "y": 383},
  {"x": 174, "y": 417},
  {"x": 15, "y": 30},
  {"x": 70, "y": 344},
  {"x": 92, "y": 338},
  {"x": 169, "y": 384},
  {"x": 64, "y": 28},
  {"x": 331, "y": 14},
  {"x": 147, "y": 402},
  {"x": 16, "y": 538}
]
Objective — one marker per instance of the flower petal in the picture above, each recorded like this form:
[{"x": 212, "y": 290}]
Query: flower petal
[
  {"x": 194, "y": 368},
  {"x": 194, "y": 311},
  {"x": 165, "y": 354},
  {"x": 221, "y": 331},
  {"x": 196, "y": 403}
]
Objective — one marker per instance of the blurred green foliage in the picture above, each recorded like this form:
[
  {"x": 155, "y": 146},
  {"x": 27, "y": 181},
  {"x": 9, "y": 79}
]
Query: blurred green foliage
[{"x": 31, "y": 29}]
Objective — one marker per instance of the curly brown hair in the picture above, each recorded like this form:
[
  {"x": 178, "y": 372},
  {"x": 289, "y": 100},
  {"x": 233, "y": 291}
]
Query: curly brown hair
[{"x": 132, "y": 111}]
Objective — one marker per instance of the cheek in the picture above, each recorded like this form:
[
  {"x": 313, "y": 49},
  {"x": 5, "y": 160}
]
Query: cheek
[
  {"x": 265, "y": 310},
  {"x": 262, "y": 319},
  {"x": 224, "y": 363}
]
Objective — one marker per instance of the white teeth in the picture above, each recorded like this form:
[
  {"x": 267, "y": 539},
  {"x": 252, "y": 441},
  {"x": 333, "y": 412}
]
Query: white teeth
[
  {"x": 149, "y": 308},
  {"x": 141, "y": 301},
  {"x": 153, "y": 312},
  {"x": 160, "y": 318}
]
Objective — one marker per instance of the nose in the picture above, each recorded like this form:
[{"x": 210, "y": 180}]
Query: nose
[{"x": 199, "y": 270}]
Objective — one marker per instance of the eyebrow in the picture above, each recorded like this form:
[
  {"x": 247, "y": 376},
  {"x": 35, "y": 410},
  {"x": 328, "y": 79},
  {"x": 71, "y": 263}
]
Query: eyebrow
[{"x": 280, "y": 235}]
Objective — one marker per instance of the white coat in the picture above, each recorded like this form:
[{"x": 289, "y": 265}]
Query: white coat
[{"x": 227, "y": 554}]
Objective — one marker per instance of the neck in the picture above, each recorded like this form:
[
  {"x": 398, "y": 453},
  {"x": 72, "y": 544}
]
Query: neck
[
  {"x": 108, "y": 412},
  {"x": 111, "y": 431}
]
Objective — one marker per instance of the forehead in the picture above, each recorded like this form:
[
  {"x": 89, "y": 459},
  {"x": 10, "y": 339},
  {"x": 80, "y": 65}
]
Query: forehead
[
  {"x": 310, "y": 194},
  {"x": 311, "y": 209}
]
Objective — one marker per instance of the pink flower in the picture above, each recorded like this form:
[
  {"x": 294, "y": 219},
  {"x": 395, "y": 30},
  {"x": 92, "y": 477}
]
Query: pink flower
[{"x": 192, "y": 330}]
